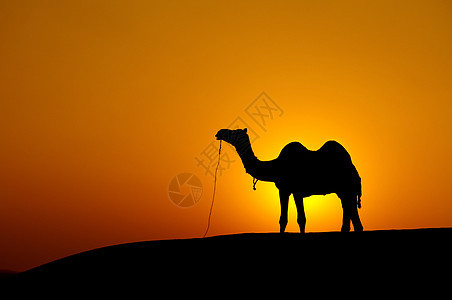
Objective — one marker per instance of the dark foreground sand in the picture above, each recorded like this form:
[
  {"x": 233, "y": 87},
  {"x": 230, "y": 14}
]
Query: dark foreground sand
[{"x": 333, "y": 262}]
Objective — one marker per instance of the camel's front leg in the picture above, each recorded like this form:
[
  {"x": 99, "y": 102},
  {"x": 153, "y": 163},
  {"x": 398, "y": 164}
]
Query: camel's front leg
[{"x": 284, "y": 200}]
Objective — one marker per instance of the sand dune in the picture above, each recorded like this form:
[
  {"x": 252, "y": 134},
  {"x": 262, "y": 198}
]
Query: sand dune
[{"x": 370, "y": 257}]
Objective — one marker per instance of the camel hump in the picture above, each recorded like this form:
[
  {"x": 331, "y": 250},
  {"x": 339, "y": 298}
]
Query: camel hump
[
  {"x": 333, "y": 148},
  {"x": 292, "y": 149}
]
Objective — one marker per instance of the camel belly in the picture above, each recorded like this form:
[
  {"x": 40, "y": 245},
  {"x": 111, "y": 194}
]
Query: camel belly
[{"x": 313, "y": 183}]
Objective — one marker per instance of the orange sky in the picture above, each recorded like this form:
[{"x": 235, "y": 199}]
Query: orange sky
[{"x": 104, "y": 102}]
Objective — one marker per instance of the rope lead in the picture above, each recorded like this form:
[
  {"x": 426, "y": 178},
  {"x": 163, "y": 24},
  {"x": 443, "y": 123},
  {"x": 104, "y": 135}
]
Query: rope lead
[{"x": 214, "y": 189}]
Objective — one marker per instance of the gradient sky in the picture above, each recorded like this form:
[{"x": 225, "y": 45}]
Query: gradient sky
[{"x": 102, "y": 103}]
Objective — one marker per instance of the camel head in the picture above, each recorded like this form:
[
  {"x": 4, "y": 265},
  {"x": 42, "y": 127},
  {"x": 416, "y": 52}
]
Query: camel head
[{"x": 230, "y": 136}]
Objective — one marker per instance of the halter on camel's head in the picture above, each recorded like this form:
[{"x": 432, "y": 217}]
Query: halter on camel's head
[{"x": 230, "y": 136}]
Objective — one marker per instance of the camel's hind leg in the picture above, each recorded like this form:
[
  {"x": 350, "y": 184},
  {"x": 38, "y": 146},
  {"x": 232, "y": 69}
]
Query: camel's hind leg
[
  {"x": 345, "y": 218},
  {"x": 357, "y": 226},
  {"x": 350, "y": 213}
]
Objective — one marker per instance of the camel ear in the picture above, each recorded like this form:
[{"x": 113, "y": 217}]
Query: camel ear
[{"x": 245, "y": 129}]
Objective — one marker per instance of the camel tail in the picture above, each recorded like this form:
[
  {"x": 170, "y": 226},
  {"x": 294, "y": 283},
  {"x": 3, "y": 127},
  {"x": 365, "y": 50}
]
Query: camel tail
[{"x": 359, "y": 195}]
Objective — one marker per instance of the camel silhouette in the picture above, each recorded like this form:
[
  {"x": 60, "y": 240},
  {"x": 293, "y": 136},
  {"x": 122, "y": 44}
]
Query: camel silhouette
[{"x": 303, "y": 173}]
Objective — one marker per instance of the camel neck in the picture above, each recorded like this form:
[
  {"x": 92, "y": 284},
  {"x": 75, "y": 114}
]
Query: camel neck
[
  {"x": 244, "y": 150},
  {"x": 262, "y": 170}
]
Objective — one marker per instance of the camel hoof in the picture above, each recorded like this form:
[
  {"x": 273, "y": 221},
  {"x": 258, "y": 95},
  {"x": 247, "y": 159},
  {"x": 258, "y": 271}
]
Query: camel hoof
[
  {"x": 282, "y": 228},
  {"x": 359, "y": 229},
  {"x": 345, "y": 229}
]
